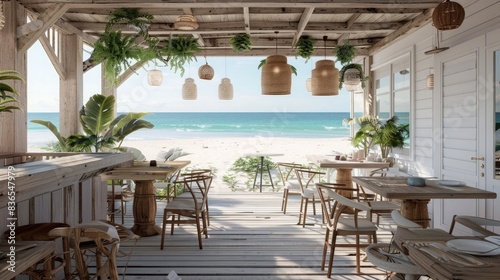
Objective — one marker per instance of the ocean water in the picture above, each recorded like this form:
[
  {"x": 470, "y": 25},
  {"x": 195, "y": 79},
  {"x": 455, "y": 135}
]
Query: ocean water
[{"x": 212, "y": 125}]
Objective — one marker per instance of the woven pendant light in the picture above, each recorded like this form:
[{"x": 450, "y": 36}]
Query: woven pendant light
[
  {"x": 352, "y": 79},
  {"x": 325, "y": 77},
  {"x": 225, "y": 89},
  {"x": 448, "y": 15},
  {"x": 309, "y": 84},
  {"x": 276, "y": 75},
  {"x": 186, "y": 22},
  {"x": 2, "y": 17},
  {"x": 189, "y": 90},
  {"x": 206, "y": 72},
  {"x": 155, "y": 77}
]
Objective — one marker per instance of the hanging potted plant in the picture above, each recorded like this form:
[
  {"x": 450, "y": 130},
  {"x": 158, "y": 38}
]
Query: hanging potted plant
[
  {"x": 180, "y": 50},
  {"x": 304, "y": 47},
  {"x": 133, "y": 18},
  {"x": 8, "y": 93},
  {"x": 351, "y": 74},
  {"x": 115, "y": 50},
  {"x": 241, "y": 42}
]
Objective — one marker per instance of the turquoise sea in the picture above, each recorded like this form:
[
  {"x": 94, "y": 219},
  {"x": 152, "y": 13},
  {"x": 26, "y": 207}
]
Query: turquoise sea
[{"x": 212, "y": 125}]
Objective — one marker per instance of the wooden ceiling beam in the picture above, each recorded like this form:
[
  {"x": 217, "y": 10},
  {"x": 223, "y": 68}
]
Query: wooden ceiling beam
[
  {"x": 304, "y": 19},
  {"x": 48, "y": 18},
  {"x": 197, "y": 36},
  {"x": 246, "y": 19},
  {"x": 406, "y": 29}
]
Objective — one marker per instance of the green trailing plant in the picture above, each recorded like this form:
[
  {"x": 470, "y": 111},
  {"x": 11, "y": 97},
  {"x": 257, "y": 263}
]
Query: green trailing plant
[
  {"x": 132, "y": 17},
  {"x": 305, "y": 47},
  {"x": 241, "y": 42},
  {"x": 8, "y": 94},
  {"x": 102, "y": 130},
  {"x": 345, "y": 53},
  {"x": 264, "y": 61},
  {"x": 179, "y": 51},
  {"x": 115, "y": 50},
  {"x": 357, "y": 66}
]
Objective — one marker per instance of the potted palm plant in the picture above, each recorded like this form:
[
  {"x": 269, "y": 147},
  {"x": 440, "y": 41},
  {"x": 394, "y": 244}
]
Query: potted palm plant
[
  {"x": 391, "y": 134},
  {"x": 102, "y": 130},
  {"x": 365, "y": 135}
]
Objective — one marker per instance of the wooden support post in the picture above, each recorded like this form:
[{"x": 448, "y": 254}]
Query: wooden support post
[
  {"x": 71, "y": 88},
  {"x": 13, "y": 126}
]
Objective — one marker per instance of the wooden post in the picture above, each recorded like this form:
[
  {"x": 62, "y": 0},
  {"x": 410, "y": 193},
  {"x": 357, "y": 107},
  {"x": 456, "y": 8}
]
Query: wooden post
[
  {"x": 71, "y": 88},
  {"x": 13, "y": 126}
]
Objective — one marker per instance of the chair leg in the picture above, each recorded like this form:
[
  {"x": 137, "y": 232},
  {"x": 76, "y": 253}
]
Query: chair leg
[
  {"x": 305, "y": 213},
  {"x": 198, "y": 229},
  {"x": 325, "y": 249},
  {"x": 332, "y": 254},
  {"x": 164, "y": 227},
  {"x": 358, "y": 265},
  {"x": 301, "y": 210},
  {"x": 123, "y": 210},
  {"x": 314, "y": 205},
  {"x": 204, "y": 216},
  {"x": 283, "y": 200}
]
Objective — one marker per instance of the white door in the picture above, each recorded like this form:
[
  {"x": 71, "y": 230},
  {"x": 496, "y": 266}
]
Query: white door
[{"x": 458, "y": 121}]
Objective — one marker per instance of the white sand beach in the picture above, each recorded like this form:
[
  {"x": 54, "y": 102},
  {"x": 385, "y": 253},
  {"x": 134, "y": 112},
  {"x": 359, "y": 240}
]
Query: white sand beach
[{"x": 220, "y": 153}]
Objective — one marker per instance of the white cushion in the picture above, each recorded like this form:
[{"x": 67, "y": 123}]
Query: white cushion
[
  {"x": 102, "y": 226},
  {"x": 292, "y": 185},
  {"x": 348, "y": 224}
]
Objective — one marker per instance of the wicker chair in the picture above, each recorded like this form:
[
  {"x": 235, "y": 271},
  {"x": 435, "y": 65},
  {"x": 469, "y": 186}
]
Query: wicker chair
[
  {"x": 340, "y": 223},
  {"x": 291, "y": 185}
]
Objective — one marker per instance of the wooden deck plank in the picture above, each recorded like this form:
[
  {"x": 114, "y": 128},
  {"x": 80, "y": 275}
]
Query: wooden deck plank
[{"x": 249, "y": 238}]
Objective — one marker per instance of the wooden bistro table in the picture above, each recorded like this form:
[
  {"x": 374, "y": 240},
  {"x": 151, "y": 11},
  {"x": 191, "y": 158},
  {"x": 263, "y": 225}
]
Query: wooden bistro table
[
  {"x": 415, "y": 199},
  {"x": 344, "y": 167},
  {"x": 27, "y": 254},
  {"x": 144, "y": 205}
]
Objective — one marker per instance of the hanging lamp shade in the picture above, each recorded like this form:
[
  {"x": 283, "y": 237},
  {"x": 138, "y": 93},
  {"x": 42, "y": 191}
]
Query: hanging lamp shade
[
  {"x": 352, "y": 79},
  {"x": 325, "y": 78},
  {"x": 189, "y": 90},
  {"x": 225, "y": 89},
  {"x": 429, "y": 81},
  {"x": 186, "y": 22},
  {"x": 276, "y": 76},
  {"x": 155, "y": 77},
  {"x": 2, "y": 17},
  {"x": 206, "y": 72},
  {"x": 448, "y": 15},
  {"x": 309, "y": 84}
]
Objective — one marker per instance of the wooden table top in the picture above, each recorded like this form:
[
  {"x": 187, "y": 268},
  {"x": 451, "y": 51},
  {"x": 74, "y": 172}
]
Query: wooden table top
[
  {"x": 141, "y": 170},
  {"x": 330, "y": 162},
  {"x": 396, "y": 188},
  {"x": 264, "y": 154},
  {"x": 440, "y": 270},
  {"x": 24, "y": 258}
]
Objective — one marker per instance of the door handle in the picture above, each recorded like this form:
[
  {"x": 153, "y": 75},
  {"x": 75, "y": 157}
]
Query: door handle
[{"x": 477, "y": 158}]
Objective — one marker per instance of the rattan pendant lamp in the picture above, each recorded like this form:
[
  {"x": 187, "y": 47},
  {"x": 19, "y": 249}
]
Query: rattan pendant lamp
[
  {"x": 276, "y": 75},
  {"x": 448, "y": 15},
  {"x": 155, "y": 77},
  {"x": 325, "y": 77},
  {"x": 226, "y": 91},
  {"x": 206, "y": 72},
  {"x": 189, "y": 88}
]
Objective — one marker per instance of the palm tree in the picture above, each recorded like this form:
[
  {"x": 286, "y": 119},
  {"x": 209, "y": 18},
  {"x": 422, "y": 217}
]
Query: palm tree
[{"x": 102, "y": 132}]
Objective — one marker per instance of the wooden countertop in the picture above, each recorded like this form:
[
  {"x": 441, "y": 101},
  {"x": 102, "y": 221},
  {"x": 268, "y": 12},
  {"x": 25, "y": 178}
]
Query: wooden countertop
[{"x": 143, "y": 171}]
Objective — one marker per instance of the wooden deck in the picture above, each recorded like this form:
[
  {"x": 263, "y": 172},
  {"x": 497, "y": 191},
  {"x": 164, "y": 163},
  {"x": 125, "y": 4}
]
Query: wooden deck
[{"x": 250, "y": 238}]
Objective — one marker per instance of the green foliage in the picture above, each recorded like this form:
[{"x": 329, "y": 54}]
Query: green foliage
[
  {"x": 349, "y": 66},
  {"x": 243, "y": 172},
  {"x": 345, "y": 53},
  {"x": 115, "y": 50},
  {"x": 180, "y": 50},
  {"x": 101, "y": 130},
  {"x": 264, "y": 61},
  {"x": 241, "y": 42},
  {"x": 305, "y": 47},
  {"x": 133, "y": 18},
  {"x": 373, "y": 131},
  {"x": 8, "y": 93}
]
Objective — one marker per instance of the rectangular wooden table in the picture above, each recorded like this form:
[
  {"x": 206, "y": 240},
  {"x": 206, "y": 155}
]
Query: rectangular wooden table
[
  {"x": 443, "y": 270},
  {"x": 415, "y": 199},
  {"x": 24, "y": 259},
  {"x": 144, "y": 207}
]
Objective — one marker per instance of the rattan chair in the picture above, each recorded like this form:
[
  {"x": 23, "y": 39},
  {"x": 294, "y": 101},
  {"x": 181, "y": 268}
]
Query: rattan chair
[
  {"x": 379, "y": 207},
  {"x": 476, "y": 224},
  {"x": 193, "y": 209},
  {"x": 343, "y": 223},
  {"x": 88, "y": 239},
  {"x": 307, "y": 179},
  {"x": 385, "y": 257},
  {"x": 291, "y": 186}
]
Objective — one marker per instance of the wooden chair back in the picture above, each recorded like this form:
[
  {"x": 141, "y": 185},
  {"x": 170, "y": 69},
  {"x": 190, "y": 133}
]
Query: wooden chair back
[{"x": 286, "y": 171}]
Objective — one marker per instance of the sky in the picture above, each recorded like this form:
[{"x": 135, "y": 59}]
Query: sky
[{"x": 136, "y": 95}]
